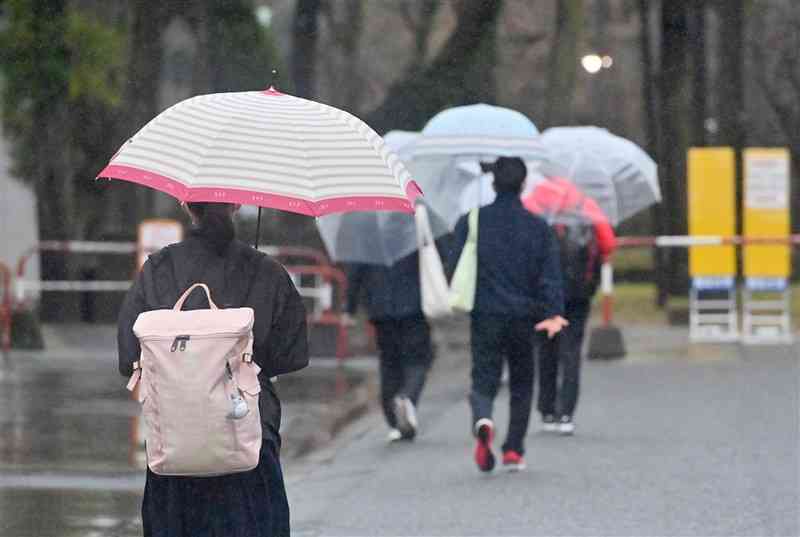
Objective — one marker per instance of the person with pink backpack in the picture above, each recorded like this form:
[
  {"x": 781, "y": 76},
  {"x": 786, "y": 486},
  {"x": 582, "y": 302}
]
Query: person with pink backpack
[{"x": 208, "y": 322}]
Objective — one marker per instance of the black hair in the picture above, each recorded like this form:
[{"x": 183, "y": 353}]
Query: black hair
[
  {"x": 509, "y": 174},
  {"x": 215, "y": 223}
]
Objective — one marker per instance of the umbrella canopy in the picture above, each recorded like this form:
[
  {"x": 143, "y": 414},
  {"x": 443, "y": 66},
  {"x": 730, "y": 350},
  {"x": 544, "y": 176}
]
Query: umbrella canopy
[
  {"x": 610, "y": 169},
  {"x": 477, "y": 129},
  {"x": 378, "y": 238},
  {"x": 444, "y": 158},
  {"x": 268, "y": 149},
  {"x": 560, "y": 202}
]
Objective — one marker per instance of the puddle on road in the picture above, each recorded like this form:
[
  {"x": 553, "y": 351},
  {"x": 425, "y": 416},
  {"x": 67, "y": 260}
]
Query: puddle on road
[
  {"x": 312, "y": 385},
  {"x": 65, "y": 444},
  {"x": 59, "y": 419},
  {"x": 58, "y": 513}
]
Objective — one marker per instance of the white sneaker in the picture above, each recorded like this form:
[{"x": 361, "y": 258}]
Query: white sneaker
[
  {"x": 565, "y": 426},
  {"x": 406, "y": 416},
  {"x": 394, "y": 436}
]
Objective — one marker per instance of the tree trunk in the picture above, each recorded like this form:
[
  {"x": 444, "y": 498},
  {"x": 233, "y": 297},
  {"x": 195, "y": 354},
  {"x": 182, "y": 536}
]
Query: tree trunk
[
  {"x": 427, "y": 15},
  {"x": 650, "y": 118},
  {"x": 147, "y": 21},
  {"x": 731, "y": 87},
  {"x": 698, "y": 36},
  {"x": 54, "y": 181},
  {"x": 353, "y": 84},
  {"x": 563, "y": 63},
  {"x": 462, "y": 73},
  {"x": 674, "y": 121},
  {"x": 305, "y": 35}
]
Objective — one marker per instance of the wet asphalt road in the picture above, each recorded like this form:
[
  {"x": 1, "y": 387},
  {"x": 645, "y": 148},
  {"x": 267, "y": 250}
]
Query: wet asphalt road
[
  {"x": 674, "y": 440},
  {"x": 671, "y": 441}
]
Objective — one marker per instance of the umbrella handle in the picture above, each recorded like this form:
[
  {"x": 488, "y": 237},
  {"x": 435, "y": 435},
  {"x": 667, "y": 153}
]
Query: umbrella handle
[{"x": 258, "y": 228}]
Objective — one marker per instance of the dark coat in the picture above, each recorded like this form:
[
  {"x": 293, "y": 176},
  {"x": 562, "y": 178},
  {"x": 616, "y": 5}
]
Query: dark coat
[
  {"x": 241, "y": 277},
  {"x": 388, "y": 292},
  {"x": 519, "y": 272}
]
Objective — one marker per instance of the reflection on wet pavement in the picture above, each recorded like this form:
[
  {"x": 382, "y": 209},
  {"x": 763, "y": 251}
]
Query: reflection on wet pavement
[
  {"x": 65, "y": 437},
  {"x": 64, "y": 455},
  {"x": 60, "y": 513}
]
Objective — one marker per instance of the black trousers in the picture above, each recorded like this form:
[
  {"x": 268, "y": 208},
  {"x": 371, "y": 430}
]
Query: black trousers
[
  {"x": 496, "y": 339},
  {"x": 561, "y": 357},
  {"x": 406, "y": 355},
  {"x": 245, "y": 504}
]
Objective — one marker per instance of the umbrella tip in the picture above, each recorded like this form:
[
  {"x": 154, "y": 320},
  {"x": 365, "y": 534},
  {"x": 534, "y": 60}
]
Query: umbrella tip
[
  {"x": 274, "y": 78},
  {"x": 272, "y": 91}
]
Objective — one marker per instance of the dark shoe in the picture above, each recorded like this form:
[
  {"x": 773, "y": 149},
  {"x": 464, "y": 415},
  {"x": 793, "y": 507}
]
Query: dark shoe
[
  {"x": 484, "y": 432},
  {"x": 513, "y": 461},
  {"x": 549, "y": 424}
]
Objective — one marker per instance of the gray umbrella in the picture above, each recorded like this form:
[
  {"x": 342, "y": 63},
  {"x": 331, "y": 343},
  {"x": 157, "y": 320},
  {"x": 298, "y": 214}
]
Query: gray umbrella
[{"x": 376, "y": 238}]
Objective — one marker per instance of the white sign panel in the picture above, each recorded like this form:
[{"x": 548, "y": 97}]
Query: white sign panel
[
  {"x": 156, "y": 234},
  {"x": 766, "y": 180}
]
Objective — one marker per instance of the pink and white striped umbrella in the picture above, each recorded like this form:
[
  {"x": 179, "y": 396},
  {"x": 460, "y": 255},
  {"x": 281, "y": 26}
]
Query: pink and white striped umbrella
[{"x": 267, "y": 149}]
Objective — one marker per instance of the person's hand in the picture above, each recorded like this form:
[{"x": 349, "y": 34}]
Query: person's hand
[
  {"x": 347, "y": 320},
  {"x": 552, "y": 326}
]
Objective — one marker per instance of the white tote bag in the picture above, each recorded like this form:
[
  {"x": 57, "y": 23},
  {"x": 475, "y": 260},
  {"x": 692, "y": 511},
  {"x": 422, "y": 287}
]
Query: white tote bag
[
  {"x": 465, "y": 278},
  {"x": 433, "y": 283}
]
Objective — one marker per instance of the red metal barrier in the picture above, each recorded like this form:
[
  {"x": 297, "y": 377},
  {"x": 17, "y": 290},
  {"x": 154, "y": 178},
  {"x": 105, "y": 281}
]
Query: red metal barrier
[
  {"x": 5, "y": 307},
  {"x": 331, "y": 316}
]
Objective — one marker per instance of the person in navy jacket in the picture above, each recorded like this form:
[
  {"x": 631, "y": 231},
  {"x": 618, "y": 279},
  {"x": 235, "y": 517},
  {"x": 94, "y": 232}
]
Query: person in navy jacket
[{"x": 519, "y": 292}]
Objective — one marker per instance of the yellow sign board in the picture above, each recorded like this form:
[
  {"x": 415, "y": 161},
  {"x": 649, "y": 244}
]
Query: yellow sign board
[
  {"x": 766, "y": 211},
  {"x": 712, "y": 209}
]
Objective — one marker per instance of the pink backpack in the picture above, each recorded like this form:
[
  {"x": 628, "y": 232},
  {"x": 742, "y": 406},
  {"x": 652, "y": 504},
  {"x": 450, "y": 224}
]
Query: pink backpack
[{"x": 198, "y": 386}]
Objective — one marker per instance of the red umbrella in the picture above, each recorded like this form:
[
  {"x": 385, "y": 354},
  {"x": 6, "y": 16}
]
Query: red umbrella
[{"x": 556, "y": 196}]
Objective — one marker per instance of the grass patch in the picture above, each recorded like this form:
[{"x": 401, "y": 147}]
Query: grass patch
[
  {"x": 635, "y": 303},
  {"x": 633, "y": 259}
]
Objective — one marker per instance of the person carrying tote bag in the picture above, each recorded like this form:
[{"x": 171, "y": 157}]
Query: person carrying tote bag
[
  {"x": 511, "y": 284},
  {"x": 433, "y": 283}
]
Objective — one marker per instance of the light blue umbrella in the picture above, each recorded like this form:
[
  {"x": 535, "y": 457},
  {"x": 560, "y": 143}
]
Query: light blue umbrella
[{"x": 444, "y": 159}]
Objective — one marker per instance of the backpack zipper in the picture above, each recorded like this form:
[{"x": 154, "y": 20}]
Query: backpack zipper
[
  {"x": 196, "y": 336},
  {"x": 179, "y": 340}
]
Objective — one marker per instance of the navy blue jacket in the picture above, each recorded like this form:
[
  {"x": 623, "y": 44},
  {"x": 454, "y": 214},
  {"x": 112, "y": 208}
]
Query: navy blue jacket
[
  {"x": 519, "y": 269},
  {"x": 389, "y": 292}
]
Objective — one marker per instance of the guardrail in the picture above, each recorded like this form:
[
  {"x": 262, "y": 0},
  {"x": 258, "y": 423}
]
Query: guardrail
[
  {"x": 677, "y": 241},
  {"x": 312, "y": 264},
  {"x": 328, "y": 310},
  {"x": 684, "y": 241},
  {"x": 23, "y": 285}
]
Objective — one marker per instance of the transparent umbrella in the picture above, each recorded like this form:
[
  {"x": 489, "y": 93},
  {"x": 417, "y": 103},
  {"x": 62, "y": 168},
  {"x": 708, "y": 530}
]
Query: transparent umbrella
[
  {"x": 377, "y": 238},
  {"x": 612, "y": 170}
]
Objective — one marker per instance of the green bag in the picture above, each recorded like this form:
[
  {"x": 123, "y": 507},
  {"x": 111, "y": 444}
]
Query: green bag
[{"x": 465, "y": 278}]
